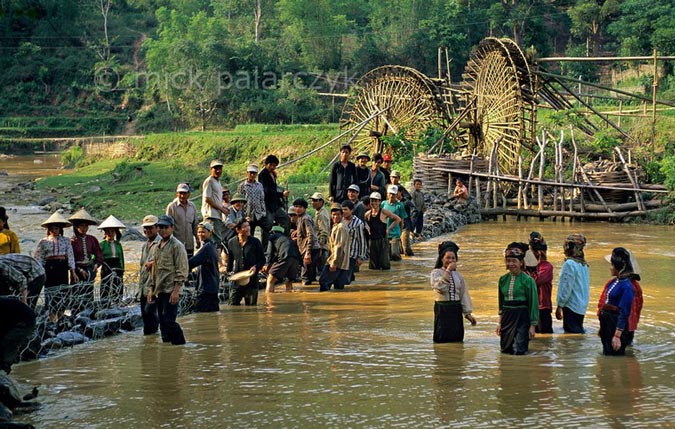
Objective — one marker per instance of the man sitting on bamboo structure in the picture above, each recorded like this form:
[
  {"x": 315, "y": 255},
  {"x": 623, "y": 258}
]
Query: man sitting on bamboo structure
[{"x": 461, "y": 193}]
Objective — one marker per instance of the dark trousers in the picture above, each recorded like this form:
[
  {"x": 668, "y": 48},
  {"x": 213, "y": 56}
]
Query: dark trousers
[
  {"x": 418, "y": 223},
  {"x": 265, "y": 226},
  {"x": 379, "y": 254},
  {"x": 149, "y": 316},
  {"x": 14, "y": 335},
  {"x": 353, "y": 268},
  {"x": 207, "y": 302},
  {"x": 249, "y": 293},
  {"x": 328, "y": 278},
  {"x": 309, "y": 271},
  {"x": 573, "y": 323},
  {"x": 167, "y": 312},
  {"x": 545, "y": 325}
]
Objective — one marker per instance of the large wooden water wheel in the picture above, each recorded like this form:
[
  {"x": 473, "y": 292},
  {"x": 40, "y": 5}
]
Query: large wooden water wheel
[
  {"x": 399, "y": 100},
  {"x": 498, "y": 86}
]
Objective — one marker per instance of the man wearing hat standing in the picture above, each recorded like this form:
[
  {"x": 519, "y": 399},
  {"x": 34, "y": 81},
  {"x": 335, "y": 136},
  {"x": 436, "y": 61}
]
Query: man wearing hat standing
[
  {"x": 169, "y": 271},
  {"x": 308, "y": 242},
  {"x": 341, "y": 176},
  {"x": 404, "y": 197},
  {"x": 148, "y": 310},
  {"x": 208, "y": 279},
  {"x": 254, "y": 193},
  {"x": 88, "y": 258},
  {"x": 363, "y": 178},
  {"x": 184, "y": 213},
  {"x": 322, "y": 224},
  {"x": 378, "y": 182},
  {"x": 246, "y": 253},
  {"x": 275, "y": 204},
  {"x": 396, "y": 207},
  {"x": 386, "y": 168},
  {"x": 358, "y": 246},
  {"x": 281, "y": 260},
  {"x": 353, "y": 193},
  {"x": 212, "y": 206},
  {"x": 237, "y": 213},
  {"x": 336, "y": 271}
]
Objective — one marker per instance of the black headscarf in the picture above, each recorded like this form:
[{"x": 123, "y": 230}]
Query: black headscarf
[{"x": 446, "y": 246}]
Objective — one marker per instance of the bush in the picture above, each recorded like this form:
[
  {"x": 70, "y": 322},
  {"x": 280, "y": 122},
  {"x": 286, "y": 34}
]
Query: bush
[{"x": 72, "y": 156}]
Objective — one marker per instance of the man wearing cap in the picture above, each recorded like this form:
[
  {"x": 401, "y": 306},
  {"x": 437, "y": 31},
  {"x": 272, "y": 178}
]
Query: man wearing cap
[
  {"x": 342, "y": 174},
  {"x": 404, "y": 197},
  {"x": 321, "y": 223},
  {"x": 88, "y": 258},
  {"x": 282, "y": 259},
  {"x": 359, "y": 209},
  {"x": 208, "y": 278},
  {"x": 275, "y": 204},
  {"x": 358, "y": 246},
  {"x": 254, "y": 193},
  {"x": 396, "y": 207},
  {"x": 169, "y": 271},
  {"x": 386, "y": 168},
  {"x": 237, "y": 213},
  {"x": 184, "y": 213},
  {"x": 378, "y": 183},
  {"x": 379, "y": 222},
  {"x": 363, "y": 178},
  {"x": 336, "y": 271},
  {"x": 308, "y": 242},
  {"x": 212, "y": 206},
  {"x": 245, "y": 254},
  {"x": 148, "y": 310}
]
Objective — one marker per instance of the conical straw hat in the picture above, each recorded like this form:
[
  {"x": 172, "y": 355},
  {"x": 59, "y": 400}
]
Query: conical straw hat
[
  {"x": 56, "y": 219},
  {"x": 83, "y": 216},
  {"x": 111, "y": 222}
]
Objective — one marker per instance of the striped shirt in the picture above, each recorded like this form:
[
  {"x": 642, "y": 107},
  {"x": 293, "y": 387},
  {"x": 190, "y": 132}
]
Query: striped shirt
[
  {"x": 51, "y": 246},
  {"x": 357, "y": 238},
  {"x": 255, "y": 199},
  {"x": 18, "y": 270}
]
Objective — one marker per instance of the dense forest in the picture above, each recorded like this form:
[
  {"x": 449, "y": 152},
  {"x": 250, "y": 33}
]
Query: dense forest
[{"x": 150, "y": 65}]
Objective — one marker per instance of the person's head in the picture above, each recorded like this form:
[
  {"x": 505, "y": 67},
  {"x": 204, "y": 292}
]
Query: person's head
[
  {"x": 336, "y": 213},
  {"x": 112, "y": 234},
  {"x": 377, "y": 161},
  {"x": 395, "y": 177},
  {"x": 238, "y": 201},
  {"x": 345, "y": 152},
  {"x": 150, "y": 228},
  {"x": 375, "y": 200},
  {"x": 251, "y": 173},
  {"x": 80, "y": 227},
  {"x": 271, "y": 163},
  {"x": 417, "y": 183},
  {"x": 573, "y": 246},
  {"x": 620, "y": 262},
  {"x": 459, "y": 182},
  {"x": 538, "y": 245},
  {"x": 165, "y": 223},
  {"x": 226, "y": 195},
  {"x": 347, "y": 209},
  {"x": 292, "y": 215},
  {"x": 55, "y": 224},
  {"x": 514, "y": 257},
  {"x": 392, "y": 192},
  {"x": 447, "y": 255},
  {"x": 317, "y": 200},
  {"x": 353, "y": 193},
  {"x": 216, "y": 168},
  {"x": 55, "y": 230},
  {"x": 386, "y": 161},
  {"x": 300, "y": 206},
  {"x": 363, "y": 159},
  {"x": 243, "y": 228},
  {"x": 3, "y": 219},
  {"x": 183, "y": 193},
  {"x": 204, "y": 231}
]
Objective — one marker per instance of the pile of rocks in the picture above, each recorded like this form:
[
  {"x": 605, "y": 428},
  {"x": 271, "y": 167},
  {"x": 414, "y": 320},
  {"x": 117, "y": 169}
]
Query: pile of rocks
[{"x": 444, "y": 215}]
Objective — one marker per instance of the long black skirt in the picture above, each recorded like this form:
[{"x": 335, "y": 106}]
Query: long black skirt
[
  {"x": 56, "y": 284},
  {"x": 448, "y": 324},
  {"x": 608, "y": 321},
  {"x": 514, "y": 338}
]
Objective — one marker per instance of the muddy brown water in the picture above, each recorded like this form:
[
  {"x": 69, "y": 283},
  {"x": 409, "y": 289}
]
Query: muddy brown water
[{"x": 364, "y": 357}]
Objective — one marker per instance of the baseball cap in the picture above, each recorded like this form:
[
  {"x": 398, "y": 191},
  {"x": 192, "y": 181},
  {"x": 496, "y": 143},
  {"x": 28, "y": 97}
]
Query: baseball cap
[
  {"x": 182, "y": 187},
  {"x": 216, "y": 163},
  {"x": 376, "y": 196},
  {"x": 392, "y": 189},
  {"x": 354, "y": 188},
  {"x": 165, "y": 220},
  {"x": 336, "y": 207},
  {"x": 150, "y": 220},
  {"x": 395, "y": 173},
  {"x": 253, "y": 168},
  {"x": 386, "y": 157},
  {"x": 291, "y": 211},
  {"x": 207, "y": 226},
  {"x": 278, "y": 228},
  {"x": 317, "y": 196}
]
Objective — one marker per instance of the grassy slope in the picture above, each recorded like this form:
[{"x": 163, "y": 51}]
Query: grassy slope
[{"x": 134, "y": 187}]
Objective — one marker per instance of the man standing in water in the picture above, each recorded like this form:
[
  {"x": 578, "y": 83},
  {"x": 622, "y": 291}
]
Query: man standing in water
[
  {"x": 308, "y": 243},
  {"x": 275, "y": 204},
  {"x": 208, "y": 279},
  {"x": 184, "y": 213},
  {"x": 342, "y": 175},
  {"x": 168, "y": 271},
  {"x": 336, "y": 271},
  {"x": 148, "y": 309},
  {"x": 321, "y": 223},
  {"x": 212, "y": 205}
]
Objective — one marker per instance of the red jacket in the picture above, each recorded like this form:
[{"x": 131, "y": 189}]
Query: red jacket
[{"x": 543, "y": 277}]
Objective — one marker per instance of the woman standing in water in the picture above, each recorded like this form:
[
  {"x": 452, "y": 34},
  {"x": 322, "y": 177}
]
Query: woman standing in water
[
  {"x": 542, "y": 273},
  {"x": 55, "y": 253},
  {"x": 615, "y": 304},
  {"x": 451, "y": 295},
  {"x": 518, "y": 303},
  {"x": 574, "y": 286},
  {"x": 112, "y": 271}
]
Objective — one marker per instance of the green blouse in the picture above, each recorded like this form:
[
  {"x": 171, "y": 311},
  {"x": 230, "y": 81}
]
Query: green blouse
[
  {"x": 106, "y": 248},
  {"x": 524, "y": 289}
]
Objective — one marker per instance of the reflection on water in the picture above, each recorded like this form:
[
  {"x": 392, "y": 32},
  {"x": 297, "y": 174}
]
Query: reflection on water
[{"x": 364, "y": 357}]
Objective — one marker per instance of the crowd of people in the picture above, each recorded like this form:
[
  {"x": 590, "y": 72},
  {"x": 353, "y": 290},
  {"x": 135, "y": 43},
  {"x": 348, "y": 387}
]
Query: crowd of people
[
  {"x": 368, "y": 216},
  {"x": 525, "y": 301}
]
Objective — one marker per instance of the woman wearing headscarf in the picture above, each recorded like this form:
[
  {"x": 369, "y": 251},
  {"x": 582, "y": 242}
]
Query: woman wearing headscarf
[
  {"x": 9, "y": 242},
  {"x": 615, "y": 304},
  {"x": 542, "y": 273},
  {"x": 518, "y": 303},
  {"x": 574, "y": 286},
  {"x": 451, "y": 295},
  {"x": 55, "y": 253}
]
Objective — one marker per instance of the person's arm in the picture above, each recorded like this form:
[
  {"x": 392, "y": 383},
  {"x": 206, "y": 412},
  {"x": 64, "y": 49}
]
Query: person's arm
[
  {"x": 97, "y": 251},
  {"x": 564, "y": 285},
  {"x": 120, "y": 253},
  {"x": 180, "y": 261},
  {"x": 544, "y": 274},
  {"x": 14, "y": 246},
  {"x": 395, "y": 220},
  {"x": 362, "y": 244},
  {"x": 71, "y": 261},
  {"x": 197, "y": 260},
  {"x": 269, "y": 253},
  {"x": 259, "y": 255}
]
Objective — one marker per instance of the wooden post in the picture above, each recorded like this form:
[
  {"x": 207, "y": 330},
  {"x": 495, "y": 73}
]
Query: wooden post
[
  {"x": 620, "y": 112},
  {"x": 520, "y": 183},
  {"x": 540, "y": 189},
  {"x": 655, "y": 86}
]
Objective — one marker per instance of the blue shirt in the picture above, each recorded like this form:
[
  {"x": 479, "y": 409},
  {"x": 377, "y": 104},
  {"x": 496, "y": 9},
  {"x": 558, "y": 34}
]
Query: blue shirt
[
  {"x": 621, "y": 295},
  {"x": 574, "y": 287},
  {"x": 398, "y": 210}
]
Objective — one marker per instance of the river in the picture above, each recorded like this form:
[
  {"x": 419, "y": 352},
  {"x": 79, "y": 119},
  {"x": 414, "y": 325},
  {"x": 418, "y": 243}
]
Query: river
[{"x": 364, "y": 358}]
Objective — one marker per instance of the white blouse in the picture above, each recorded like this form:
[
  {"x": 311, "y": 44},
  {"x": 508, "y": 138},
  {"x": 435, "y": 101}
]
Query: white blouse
[
  {"x": 55, "y": 246},
  {"x": 451, "y": 288}
]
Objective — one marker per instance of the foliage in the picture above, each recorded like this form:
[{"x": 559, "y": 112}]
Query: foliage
[
  {"x": 72, "y": 156},
  {"x": 667, "y": 168}
]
